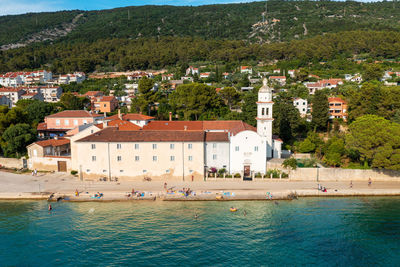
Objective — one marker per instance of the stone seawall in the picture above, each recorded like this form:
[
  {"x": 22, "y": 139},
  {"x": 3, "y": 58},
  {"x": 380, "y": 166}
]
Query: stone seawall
[{"x": 337, "y": 174}]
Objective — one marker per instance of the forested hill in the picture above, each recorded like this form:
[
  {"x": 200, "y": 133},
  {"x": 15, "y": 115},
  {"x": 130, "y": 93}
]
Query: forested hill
[{"x": 283, "y": 21}]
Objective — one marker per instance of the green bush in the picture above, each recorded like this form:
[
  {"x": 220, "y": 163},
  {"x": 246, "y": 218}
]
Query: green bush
[
  {"x": 74, "y": 172},
  {"x": 257, "y": 175},
  {"x": 237, "y": 175},
  {"x": 276, "y": 174},
  {"x": 228, "y": 176}
]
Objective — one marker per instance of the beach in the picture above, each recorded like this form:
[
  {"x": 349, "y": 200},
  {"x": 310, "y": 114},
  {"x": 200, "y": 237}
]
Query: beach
[{"x": 63, "y": 186}]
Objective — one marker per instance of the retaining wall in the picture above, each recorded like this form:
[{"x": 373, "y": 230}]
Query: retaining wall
[
  {"x": 11, "y": 163},
  {"x": 337, "y": 174}
]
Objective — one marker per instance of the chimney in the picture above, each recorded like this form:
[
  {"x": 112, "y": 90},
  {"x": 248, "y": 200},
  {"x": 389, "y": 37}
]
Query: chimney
[
  {"x": 119, "y": 114},
  {"x": 170, "y": 116}
]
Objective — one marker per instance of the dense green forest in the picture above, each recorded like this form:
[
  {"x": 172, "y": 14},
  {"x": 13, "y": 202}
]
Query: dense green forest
[
  {"x": 283, "y": 21},
  {"x": 124, "y": 54}
]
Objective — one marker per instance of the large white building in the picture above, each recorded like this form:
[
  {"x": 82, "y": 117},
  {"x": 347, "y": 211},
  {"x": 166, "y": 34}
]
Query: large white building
[{"x": 138, "y": 146}]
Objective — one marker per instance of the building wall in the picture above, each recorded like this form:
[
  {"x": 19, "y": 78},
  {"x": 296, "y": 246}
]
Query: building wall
[
  {"x": 74, "y": 150},
  {"x": 106, "y": 163},
  {"x": 52, "y": 122},
  {"x": 48, "y": 163},
  {"x": 35, "y": 151},
  {"x": 220, "y": 150},
  {"x": 247, "y": 141},
  {"x": 11, "y": 163}
]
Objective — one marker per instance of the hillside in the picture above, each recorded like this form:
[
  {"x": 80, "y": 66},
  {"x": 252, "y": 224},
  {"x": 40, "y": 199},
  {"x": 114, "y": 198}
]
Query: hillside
[{"x": 283, "y": 21}]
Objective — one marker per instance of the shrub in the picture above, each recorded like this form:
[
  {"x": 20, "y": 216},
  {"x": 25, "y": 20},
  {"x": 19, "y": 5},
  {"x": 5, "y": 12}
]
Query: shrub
[
  {"x": 290, "y": 163},
  {"x": 237, "y": 175},
  {"x": 257, "y": 175},
  {"x": 74, "y": 172},
  {"x": 276, "y": 174},
  {"x": 221, "y": 172},
  {"x": 228, "y": 176}
]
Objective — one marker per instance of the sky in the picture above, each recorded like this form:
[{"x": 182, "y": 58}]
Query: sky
[{"x": 10, "y": 7}]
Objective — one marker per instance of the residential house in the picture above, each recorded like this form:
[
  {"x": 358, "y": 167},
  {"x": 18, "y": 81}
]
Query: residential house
[
  {"x": 205, "y": 75},
  {"x": 137, "y": 119},
  {"x": 58, "y": 124},
  {"x": 301, "y": 105},
  {"x": 292, "y": 73},
  {"x": 281, "y": 80},
  {"x": 93, "y": 95},
  {"x": 276, "y": 71},
  {"x": 192, "y": 71},
  {"x": 13, "y": 94},
  {"x": 337, "y": 108},
  {"x": 246, "y": 69},
  {"x": 51, "y": 94},
  {"x": 175, "y": 83},
  {"x": 50, "y": 155},
  {"x": 225, "y": 75},
  {"x": 33, "y": 96},
  {"x": 105, "y": 104},
  {"x": 167, "y": 77},
  {"x": 11, "y": 79},
  {"x": 5, "y": 101}
]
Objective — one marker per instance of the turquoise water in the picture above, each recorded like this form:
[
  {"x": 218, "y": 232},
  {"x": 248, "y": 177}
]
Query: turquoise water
[{"x": 309, "y": 231}]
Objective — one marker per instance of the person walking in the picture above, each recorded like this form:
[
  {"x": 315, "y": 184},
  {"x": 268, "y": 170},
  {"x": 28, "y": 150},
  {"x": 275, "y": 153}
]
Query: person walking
[
  {"x": 369, "y": 181},
  {"x": 351, "y": 184}
]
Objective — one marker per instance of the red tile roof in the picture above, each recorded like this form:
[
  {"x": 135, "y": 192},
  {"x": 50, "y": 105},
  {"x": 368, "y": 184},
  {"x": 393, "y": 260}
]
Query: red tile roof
[
  {"x": 124, "y": 125},
  {"x": 233, "y": 127},
  {"x": 111, "y": 134},
  {"x": 106, "y": 99},
  {"x": 336, "y": 99},
  {"x": 131, "y": 117},
  {"x": 93, "y": 93},
  {"x": 53, "y": 142},
  {"x": 74, "y": 114}
]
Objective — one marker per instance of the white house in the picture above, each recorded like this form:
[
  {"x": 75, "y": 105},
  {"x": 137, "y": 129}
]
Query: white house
[
  {"x": 192, "y": 71},
  {"x": 246, "y": 69},
  {"x": 5, "y": 101},
  {"x": 301, "y": 105}
]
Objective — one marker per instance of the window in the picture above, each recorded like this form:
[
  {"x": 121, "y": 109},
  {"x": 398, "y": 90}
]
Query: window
[
  {"x": 154, "y": 146},
  {"x": 190, "y": 158},
  {"x": 304, "y": 103},
  {"x": 154, "y": 158},
  {"x": 256, "y": 148},
  {"x": 190, "y": 146},
  {"x": 93, "y": 158},
  {"x": 66, "y": 122},
  {"x": 136, "y": 146},
  {"x": 93, "y": 146},
  {"x": 137, "y": 158},
  {"x": 118, "y": 146},
  {"x": 267, "y": 111},
  {"x": 75, "y": 122},
  {"x": 104, "y": 170},
  {"x": 144, "y": 171},
  {"x": 236, "y": 148},
  {"x": 214, "y": 156},
  {"x": 262, "y": 111},
  {"x": 119, "y": 158},
  {"x": 171, "y": 146},
  {"x": 104, "y": 105},
  {"x": 121, "y": 170},
  {"x": 84, "y": 121},
  {"x": 214, "y": 145},
  {"x": 172, "y": 158},
  {"x": 57, "y": 122},
  {"x": 166, "y": 171}
]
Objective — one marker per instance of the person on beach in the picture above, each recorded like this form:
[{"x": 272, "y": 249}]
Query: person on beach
[
  {"x": 35, "y": 172},
  {"x": 133, "y": 191},
  {"x": 351, "y": 184},
  {"x": 369, "y": 181},
  {"x": 76, "y": 193},
  {"x": 165, "y": 185}
]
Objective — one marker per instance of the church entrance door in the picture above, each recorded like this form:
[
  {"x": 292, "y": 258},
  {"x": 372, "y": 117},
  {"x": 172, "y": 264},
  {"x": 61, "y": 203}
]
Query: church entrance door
[{"x": 246, "y": 172}]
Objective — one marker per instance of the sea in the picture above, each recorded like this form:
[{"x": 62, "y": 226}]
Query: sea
[{"x": 359, "y": 231}]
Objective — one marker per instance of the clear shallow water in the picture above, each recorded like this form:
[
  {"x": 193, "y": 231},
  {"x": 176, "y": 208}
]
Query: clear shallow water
[{"x": 309, "y": 231}]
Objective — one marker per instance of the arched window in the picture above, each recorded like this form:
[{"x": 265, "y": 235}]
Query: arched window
[{"x": 262, "y": 111}]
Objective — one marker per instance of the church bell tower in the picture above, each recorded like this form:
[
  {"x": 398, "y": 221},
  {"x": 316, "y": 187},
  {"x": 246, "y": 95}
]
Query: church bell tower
[{"x": 264, "y": 115}]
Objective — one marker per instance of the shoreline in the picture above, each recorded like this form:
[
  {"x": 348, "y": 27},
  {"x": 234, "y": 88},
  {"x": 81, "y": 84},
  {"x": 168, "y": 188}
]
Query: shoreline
[{"x": 212, "y": 196}]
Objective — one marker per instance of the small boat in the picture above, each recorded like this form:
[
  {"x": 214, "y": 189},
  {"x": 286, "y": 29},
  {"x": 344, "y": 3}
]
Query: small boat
[{"x": 233, "y": 209}]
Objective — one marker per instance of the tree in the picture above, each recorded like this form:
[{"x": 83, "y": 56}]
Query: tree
[
  {"x": 365, "y": 101},
  {"x": 71, "y": 102},
  {"x": 37, "y": 110},
  {"x": 249, "y": 107},
  {"x": 320, "y": 111},
  {"x": 231, "y": 96},
  {"x": 306, "y": 146},
  {"x": 334, "y": 150},
  {"x": 192, "y": 100},
  {"x": 287, "y": 118},
  {"x": 16, "y": 138},
  {"x": 145, "y": 100},
  {"x": 372, "y": 72},
  {"x": 376, "y": 139}
]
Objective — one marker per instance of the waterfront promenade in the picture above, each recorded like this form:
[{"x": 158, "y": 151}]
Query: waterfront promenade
[{"x": 26, "y": 186}]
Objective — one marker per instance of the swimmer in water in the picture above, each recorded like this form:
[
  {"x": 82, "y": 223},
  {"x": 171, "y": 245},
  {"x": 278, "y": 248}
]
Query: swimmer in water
[
  {"x": 276, "y": 203},
  {"x": 50, "y": 207},
  {"x": 244, "y": 213},
  {"x": 196, "y": 216}
]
